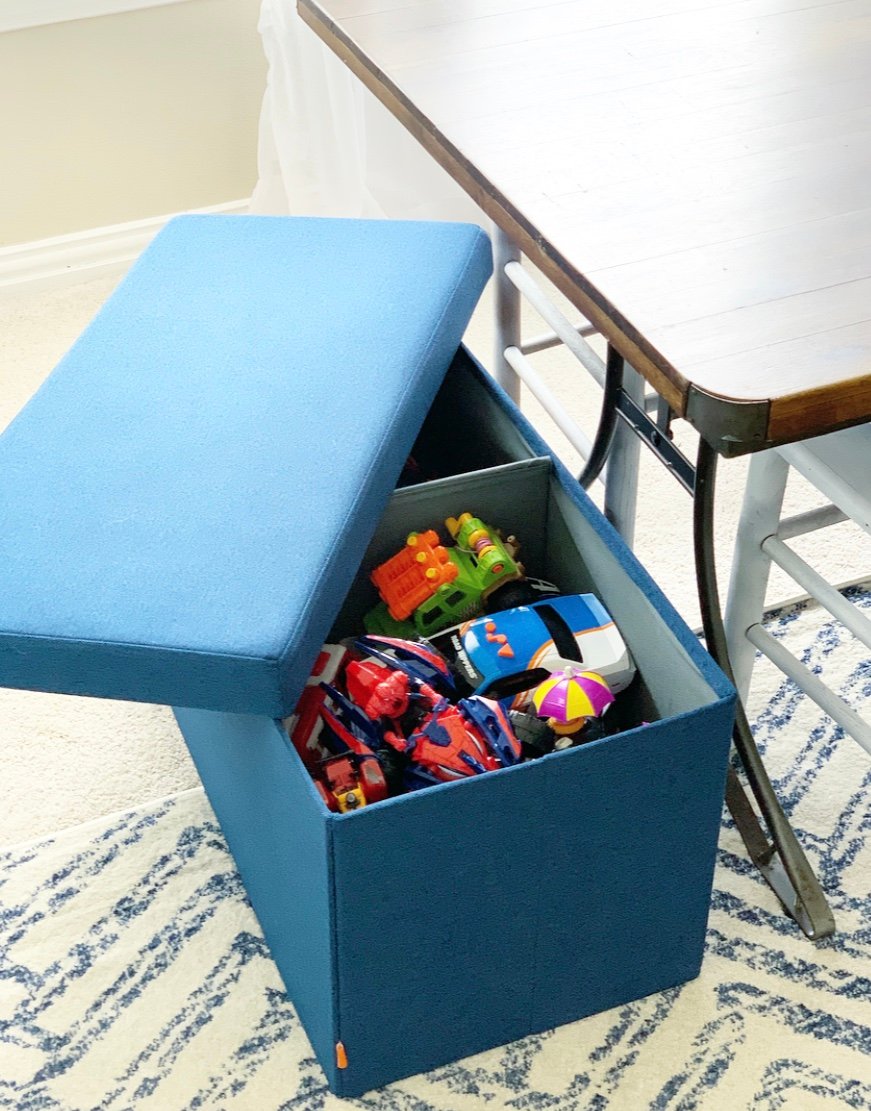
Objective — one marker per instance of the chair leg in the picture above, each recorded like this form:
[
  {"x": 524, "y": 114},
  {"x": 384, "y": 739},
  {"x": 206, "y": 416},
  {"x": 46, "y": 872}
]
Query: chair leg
[
  {"x": 506, "y": 313},
  {"x": 621, "y": 476},
  {"x": 745, "y": 602}
]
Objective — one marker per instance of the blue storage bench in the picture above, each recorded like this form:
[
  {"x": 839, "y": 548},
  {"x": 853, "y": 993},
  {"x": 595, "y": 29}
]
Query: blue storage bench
[{"x": 189, "y": 508}]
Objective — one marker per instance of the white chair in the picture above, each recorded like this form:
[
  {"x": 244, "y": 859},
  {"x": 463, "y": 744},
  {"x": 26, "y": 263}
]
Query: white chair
[{"x": 838, "y": 465}]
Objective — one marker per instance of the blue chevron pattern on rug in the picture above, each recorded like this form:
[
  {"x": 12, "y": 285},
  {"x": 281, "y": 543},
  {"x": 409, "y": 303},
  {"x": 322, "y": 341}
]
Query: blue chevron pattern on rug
[{"x": 133, "y": 973}]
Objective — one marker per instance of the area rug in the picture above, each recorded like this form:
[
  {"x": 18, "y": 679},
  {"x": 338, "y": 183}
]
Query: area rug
[{"x": 133, "y": 973}]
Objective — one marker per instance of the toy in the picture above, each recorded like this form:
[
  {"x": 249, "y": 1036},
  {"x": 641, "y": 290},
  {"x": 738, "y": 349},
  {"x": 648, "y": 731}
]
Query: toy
[
  {"x": 419, "y": 659},
  {"x": 444, "y": 748},
  {"x": 391, "y": 721},
  {"x": 391, "y": 704},
  {"x": 305, "y": 724},
  {"x": 482, "y": 550},
  {"x": 536, "y": 738},
  {"x": 427, "y": 587},
  {"x": 414, "y": 574},
  {"x": 506, "y": 654},
  {"x": 569, "y": 699},
  {"x": 347, "y": 782},
  {"x": 455, "y": 741}
]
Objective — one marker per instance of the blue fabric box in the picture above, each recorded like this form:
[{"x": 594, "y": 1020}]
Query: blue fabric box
[
  {"x": 437, "y": 924},
  {"x": 183, "y": 508}
]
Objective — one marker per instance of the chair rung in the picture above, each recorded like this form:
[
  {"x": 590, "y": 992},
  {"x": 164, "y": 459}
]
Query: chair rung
[
  {"x": 836, "y": 465},
  {"x": 547, "y": 340},
  {"x": 818, "y": 588},
  {"x": 815, "y": 688},
  {"x": 562, "y": 326},
  {"x": 810, "y": 521},
  {"x": 549, "y": 402}
]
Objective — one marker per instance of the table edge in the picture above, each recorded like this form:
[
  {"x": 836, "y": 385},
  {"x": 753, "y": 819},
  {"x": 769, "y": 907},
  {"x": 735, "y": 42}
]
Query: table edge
[{"x": 733, "y": 426}]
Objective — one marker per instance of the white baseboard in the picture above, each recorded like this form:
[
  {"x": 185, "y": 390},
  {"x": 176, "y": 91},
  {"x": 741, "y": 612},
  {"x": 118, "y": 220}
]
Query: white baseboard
[
  {"x": 97, "y": 253},
  {"x": 16, "y": 15}
]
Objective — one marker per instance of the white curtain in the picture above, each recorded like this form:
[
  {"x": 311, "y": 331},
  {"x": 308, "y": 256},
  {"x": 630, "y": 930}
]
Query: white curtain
[{"x": 327, "y": 147}]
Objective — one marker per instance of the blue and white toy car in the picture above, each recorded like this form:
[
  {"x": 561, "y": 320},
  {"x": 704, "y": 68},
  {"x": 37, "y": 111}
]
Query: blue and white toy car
[{"x": 504, "y": 655}]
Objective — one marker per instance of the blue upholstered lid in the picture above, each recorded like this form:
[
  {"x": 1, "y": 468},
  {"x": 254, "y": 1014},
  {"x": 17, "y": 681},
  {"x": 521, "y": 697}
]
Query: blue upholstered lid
[{"x": 185, "y": 501}]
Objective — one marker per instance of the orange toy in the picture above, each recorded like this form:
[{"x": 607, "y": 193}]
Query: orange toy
[{"x": 413, "y": 574}]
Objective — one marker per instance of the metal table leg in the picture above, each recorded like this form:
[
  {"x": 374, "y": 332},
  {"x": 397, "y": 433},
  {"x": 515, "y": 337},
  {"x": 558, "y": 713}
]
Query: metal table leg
[
  {"x": 782, "y": 862},
  {"x": 604, "y": 440}
]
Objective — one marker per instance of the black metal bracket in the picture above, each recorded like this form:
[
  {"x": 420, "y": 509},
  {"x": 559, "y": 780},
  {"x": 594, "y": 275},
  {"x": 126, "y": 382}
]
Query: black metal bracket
[
  {"x": 658, "y": 439},
  {"x": 656, "y": 434},
  {"x": 733, "y": 427}
]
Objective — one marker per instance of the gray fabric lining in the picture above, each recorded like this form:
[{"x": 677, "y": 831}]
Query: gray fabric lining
[{"x": 557, "y": 543}]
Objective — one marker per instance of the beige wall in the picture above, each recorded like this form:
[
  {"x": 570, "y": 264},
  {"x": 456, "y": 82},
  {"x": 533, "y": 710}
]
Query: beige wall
[{"x": 128, "y": 116}]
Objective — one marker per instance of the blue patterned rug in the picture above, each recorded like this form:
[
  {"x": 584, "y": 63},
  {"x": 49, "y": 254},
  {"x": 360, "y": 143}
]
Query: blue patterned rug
[{"x": 133, "y": 973}]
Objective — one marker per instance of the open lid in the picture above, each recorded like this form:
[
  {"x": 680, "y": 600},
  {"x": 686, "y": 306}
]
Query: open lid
[{"x": 185, "y": 501}]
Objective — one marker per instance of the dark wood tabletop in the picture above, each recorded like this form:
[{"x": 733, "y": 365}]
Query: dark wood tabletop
[{"x": 694, "y": 175}]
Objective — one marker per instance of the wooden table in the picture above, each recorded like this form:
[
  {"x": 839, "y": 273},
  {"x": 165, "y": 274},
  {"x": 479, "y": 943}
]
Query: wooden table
[{"x": 693, "y": 176}]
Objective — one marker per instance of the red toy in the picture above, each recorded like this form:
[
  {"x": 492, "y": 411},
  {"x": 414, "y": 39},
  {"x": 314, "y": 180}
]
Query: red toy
[
  {"x": 347, "y": 782},
  {"x": 448, "y": 746},
  {"x": 305, "y": 724},
  {"x": 385, "y": 717},
  {"x": 383, "y": 693}
]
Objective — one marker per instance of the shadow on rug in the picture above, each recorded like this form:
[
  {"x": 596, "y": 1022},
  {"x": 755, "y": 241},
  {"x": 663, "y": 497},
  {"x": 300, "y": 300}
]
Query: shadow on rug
[{"x": 133, "y": 973}]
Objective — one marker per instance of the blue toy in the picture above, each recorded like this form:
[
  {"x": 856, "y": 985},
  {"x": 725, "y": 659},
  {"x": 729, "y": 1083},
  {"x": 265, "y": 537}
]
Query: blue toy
[{"x": 504, "y": 655}]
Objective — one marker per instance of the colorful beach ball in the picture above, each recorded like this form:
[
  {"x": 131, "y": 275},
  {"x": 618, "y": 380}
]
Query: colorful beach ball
[{"x": 571, "y": 696}]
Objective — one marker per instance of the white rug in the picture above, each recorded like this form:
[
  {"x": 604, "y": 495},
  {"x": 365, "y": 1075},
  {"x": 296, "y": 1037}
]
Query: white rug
[{"x": 133, "y": 973}]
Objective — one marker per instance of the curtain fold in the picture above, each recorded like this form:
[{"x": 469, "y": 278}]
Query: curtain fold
[{"x": 328, "y": 147}]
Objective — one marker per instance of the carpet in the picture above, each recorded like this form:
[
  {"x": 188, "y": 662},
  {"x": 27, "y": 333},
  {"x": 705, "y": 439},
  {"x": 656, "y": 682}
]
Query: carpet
[{"x": 133, "y": 973}]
